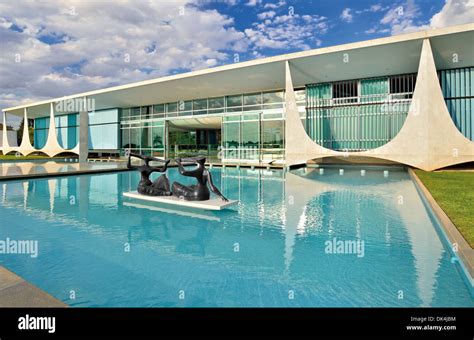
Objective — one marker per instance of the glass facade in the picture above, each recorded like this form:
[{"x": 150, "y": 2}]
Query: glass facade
[
  {"x": 253, "y": 137},
  {"x": 255, "y": 130},
  {"x": 252, "y": 127},
  {"x": 458, "y": 91},
  {"x": 147, "y": 138},
  {"x": 67, "y": 131},
  {"x": 358, "y": 114},
  {"x": 104, "y": 130}
]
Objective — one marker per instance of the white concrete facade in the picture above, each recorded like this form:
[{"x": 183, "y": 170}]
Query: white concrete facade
[
  {"x": 51, "y": 148},
  {"x": 428, "y": 140}
]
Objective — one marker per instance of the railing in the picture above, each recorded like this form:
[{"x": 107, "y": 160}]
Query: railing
[{"x": 357, "y": 123}]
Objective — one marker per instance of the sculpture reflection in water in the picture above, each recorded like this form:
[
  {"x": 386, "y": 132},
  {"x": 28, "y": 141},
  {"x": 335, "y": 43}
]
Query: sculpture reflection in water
[
  {"x": 161, "y": 186},
  {"x": 199, "y": 191}
]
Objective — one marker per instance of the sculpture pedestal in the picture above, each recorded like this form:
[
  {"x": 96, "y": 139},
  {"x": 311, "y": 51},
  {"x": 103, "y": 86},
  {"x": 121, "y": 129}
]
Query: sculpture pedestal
[{"x": 212, "y": 204}]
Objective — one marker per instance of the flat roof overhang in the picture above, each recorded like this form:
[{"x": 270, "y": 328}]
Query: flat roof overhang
[{"x": 385, "y": 56}]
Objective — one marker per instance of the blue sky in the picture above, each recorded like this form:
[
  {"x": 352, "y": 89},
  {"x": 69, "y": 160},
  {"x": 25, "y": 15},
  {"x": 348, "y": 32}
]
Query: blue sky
[{"x": 51, "y": 48}]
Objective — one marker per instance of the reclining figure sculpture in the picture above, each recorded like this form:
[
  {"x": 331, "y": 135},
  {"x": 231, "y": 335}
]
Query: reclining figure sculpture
[
  {"x": 199, "y": 191},
  {"x": 161, "y": 186}
]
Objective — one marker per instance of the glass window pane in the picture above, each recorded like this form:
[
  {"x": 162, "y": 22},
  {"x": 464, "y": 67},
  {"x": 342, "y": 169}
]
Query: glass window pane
[
  {"x": 300, "y": 95},
  {"x": 135, "y": 137},
  {"x": 216, "y": 111},
  {"x": 185, "y": 113},
  {"x": 200, "y": 104},
  {"x": 157, "y": 137},
  {"x": 135, "y": 112},
  {"x": 273, "y": 134},
  {"x": 234, "y": 109},
  {"x": 273, "y": 97},
  {"x": 125, "y": 114},
  {"x": 185, "y": 105},
  {"x": 252, "y": 108},
  {"x": 216, "y": 103},
  {"x": 272, "y": 106},
  {"x": 250, "y": 134},
  {"x": 146, "y": 143},
  {"x": 252, "y": 99},
  {"x": 234, "y": 100},
  {"x": 159, "y": 108},
  {"x": 231, "y": 135},
  {"x": 171, "y": 107},
  {"x": 145, "y": 112},
  {"x": 344, "y": 89},
  {"x": 250, "y": 116},
  {"x": 231, "y": 118}
]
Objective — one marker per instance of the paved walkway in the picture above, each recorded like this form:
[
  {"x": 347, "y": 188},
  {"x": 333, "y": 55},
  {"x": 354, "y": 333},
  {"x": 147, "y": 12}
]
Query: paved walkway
[{"x": 16, "y": 292}]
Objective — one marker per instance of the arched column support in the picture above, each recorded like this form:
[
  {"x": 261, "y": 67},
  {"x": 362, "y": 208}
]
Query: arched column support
[
  {"x": 52, "y": 147},
  {"x": 25, "y": 147},
  {"x": 428, "y": 140},
  {"x": 4, "y": 134}
]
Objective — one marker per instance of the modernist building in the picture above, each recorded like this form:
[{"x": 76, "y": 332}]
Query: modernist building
[{"x": 407, "y": 99}]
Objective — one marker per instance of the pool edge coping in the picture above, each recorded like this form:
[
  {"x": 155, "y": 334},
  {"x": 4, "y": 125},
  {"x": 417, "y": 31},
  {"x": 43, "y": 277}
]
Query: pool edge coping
[
  {"x": 16, "y": 292},
  {"x": 454, "y": 236},
  {"x": 61, "y": 174}
]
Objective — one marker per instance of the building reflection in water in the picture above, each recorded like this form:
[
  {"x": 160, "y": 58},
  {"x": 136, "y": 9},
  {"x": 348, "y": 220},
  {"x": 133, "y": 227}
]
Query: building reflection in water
[{"x": 291, "y": 208}]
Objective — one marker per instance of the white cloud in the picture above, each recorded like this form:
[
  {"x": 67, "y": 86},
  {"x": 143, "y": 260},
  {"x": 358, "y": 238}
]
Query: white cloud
[
  {"x": 106, "y": 45},
  {"x": 346, "y": 15},
  {"x": 401, "y": 18},
  {"x": 253, "y": 3},
  {"x": 288, "y": 32},
  {"x": 454, "y": 12},
  {"x": 372, "y": 9},
  {"x": 404, "y": 18},
  {"x": 273, "y": 5},
  {"x": 376, "y": 30},
  {"x": 265, "y": 15},
  {"x": 375, "y": 8}
]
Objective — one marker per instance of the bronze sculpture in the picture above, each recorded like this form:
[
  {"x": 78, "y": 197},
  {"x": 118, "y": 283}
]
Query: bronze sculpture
[
  {"x": 199, "y": 191},
  {"x": 161, "y": 186}
]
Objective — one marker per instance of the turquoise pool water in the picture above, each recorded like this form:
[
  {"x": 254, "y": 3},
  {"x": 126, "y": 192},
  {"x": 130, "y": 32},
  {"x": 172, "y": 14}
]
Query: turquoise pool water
[{"x": 280, "y": 247}]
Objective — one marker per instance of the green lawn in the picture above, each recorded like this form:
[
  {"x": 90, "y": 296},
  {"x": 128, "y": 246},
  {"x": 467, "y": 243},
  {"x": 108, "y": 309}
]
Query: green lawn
[{"x": 454, "y": 192}]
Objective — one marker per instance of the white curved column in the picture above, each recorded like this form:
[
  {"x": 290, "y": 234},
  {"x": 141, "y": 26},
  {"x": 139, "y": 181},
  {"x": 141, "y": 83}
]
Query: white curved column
[
  {"x": 25, "y": 147},
  {"x": 299, "y": 147},
  {"x": 4, "y": 135},
  {"x": 5, "y": 145},
  {"x": 428, "y": 140},
  {"x": 52, "y": 147}
]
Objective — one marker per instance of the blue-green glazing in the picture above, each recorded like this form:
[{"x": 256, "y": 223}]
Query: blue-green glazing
[
  {"x": 458, "y": 91},
  {"x": 366, "y": 115}
]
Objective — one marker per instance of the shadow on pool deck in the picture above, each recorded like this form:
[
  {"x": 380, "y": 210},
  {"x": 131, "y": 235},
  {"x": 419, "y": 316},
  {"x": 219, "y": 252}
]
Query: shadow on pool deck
[{"x": 16, "y": 292}]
